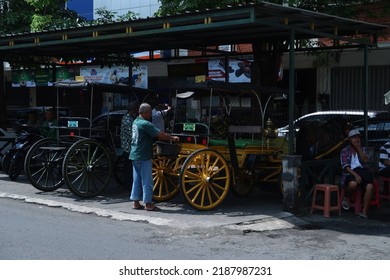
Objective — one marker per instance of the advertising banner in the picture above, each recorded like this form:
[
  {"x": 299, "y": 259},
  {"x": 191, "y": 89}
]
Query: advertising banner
[
  {"x": 117, "y": 75},
  {"x": 239, "y": 71},
  {"x": 63, "y": 74},
  {"x": 39, "y": 77},
  {"x": 23, "y": 78},
  {"x": 140, "y": 77},
  {"x": 114, "y": 75}
]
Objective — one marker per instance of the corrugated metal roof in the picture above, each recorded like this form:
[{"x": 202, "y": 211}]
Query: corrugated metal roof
[{"x": 197, "y": 30}]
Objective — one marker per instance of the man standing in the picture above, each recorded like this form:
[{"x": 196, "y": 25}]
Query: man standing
[
  {"x": 158, "y": 115},
  {"x": 143, "y": 134},
  {"x": 125, "y": 136}
]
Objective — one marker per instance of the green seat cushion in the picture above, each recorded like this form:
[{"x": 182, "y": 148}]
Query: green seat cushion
[{"x": 239, "y": 143}]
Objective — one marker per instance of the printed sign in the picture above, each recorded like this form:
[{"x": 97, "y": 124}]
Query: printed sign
[{"x": 239, "y": 71}]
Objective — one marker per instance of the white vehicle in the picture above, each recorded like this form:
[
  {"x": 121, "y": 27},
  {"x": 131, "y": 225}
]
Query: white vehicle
[{"x": 324, "y": 116}]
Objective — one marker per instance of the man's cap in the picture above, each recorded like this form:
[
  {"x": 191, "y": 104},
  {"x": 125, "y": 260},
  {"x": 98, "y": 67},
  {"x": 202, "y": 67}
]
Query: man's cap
[
  {"x": 133, "y": 105},
  {"x": 353, "y": 132}
]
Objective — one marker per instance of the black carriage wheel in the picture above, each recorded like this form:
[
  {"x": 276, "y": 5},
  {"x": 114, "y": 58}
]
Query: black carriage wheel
[
  {"x": 16, "y": 166},
  {"x": 166, "y": 173},
  {"x": 6, "y": 162},
  {"x": 87, "y": 168},
  {"x": 243, "y": 184},
  {"x": 205, "y": 179},
  {"x": 119, "y": 173},
  {"x": 42, "y": 166}
]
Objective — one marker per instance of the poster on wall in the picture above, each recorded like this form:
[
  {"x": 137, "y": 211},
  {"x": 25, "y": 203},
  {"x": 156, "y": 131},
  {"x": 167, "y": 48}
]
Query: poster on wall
[
  {"x": 139, "y": 77},
  {"x": 23, "y": 78},
  {"x": 115, "y": 75},
  {"x": 63, "y": 74},
  {"x": 239, "y": 71},
  {"x": 43, "y": 77},
  {"x": 39, "y": 77}
]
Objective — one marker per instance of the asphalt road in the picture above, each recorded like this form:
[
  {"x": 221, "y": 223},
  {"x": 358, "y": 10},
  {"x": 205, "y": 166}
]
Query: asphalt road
[
  {"x": 58, "y": 225},
  {"x": 32, "y": 230}
]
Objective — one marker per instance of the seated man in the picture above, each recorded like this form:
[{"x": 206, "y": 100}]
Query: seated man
[
  {"x": 32, "y": 119},
  {"x": 49, "y": 129},
  {"x": 384, "y": 159},
  {"x": 354, "y": 158}
]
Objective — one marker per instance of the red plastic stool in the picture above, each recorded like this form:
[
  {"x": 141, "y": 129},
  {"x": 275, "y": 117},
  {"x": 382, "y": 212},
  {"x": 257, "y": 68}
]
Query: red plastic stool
[
  {"x": 385, "y": 182},
  {"x": 326, "y": 207}
]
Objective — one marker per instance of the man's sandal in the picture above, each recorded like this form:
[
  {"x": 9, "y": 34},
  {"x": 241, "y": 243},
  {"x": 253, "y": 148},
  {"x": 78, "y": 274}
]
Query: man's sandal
[{"x": 155, "y": 208}]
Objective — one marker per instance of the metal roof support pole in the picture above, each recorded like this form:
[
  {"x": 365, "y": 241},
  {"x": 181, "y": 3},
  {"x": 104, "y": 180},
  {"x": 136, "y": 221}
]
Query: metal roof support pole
[
  {"x": 291, "y": 94},
  {"x": 226, "y": 69},
  {"x": 90, "y": 114},
  {"x": 365, "y": 89},
  {"x": 3, "y": 106},
  {"x": 57, "y": 112},
  {"x": 211, "y": 104}
]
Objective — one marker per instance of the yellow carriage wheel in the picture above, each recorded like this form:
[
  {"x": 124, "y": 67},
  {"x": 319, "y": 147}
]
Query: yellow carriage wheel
[
  {"x": 166, "y": 173},
  {"x": 205, "y": 179}
]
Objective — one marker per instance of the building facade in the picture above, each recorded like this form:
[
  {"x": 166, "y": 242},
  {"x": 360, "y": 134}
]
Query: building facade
[{"x": 87, "y": 8}]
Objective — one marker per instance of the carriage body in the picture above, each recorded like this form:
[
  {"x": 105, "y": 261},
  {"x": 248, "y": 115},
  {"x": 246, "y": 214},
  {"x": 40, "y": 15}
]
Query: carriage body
[
  {"x": 213, "y": 161},
  {"x": 204, "y": 170}
]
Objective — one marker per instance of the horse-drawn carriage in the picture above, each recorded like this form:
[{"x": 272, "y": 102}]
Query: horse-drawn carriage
[
  {"x": 222, "y": 147},
  {"x": 225, "y": 143},
  {"x": 81, "y": 156},
  {"x": 241, "y": 151}
]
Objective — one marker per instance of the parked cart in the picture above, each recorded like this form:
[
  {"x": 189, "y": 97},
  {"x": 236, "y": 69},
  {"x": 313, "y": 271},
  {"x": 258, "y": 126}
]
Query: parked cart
[
  {"x": 83, "y": 157},
  {"x": 214, "y": 155}
]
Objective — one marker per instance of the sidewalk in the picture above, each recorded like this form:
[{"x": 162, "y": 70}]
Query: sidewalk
[{"x": 260, "y": 211}]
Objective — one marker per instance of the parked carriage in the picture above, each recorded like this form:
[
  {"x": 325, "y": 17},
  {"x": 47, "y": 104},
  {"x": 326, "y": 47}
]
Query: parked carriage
[
  {"x": 82, "y": 157},
  {"x": 218, "y": 154},
  {"x": 225, "y": 143}
]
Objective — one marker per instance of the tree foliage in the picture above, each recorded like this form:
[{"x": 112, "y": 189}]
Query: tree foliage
[
  {"x": 104, "y": 16},
  {"x": 35, "y": 15},
  {"x": 15, "y": 16},
  {"x": 335, "y": 7}
]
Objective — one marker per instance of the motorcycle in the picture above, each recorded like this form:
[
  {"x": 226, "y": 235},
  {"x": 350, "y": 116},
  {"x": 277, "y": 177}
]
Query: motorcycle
[{"x": 13, "y": 159}]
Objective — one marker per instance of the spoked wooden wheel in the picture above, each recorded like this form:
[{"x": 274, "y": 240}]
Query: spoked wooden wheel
[
  {"x": 119, "y": 170},
  {"x": 87, "y": 168},
  {"x": 243, "y": 183},
  {"x": 205, "y": 179},
  {"x": 43, "y": 163},
  {"x": 166, "y": 173}
]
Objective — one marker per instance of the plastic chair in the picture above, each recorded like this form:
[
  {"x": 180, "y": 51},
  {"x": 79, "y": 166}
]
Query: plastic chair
[
  {"x": 356, "y": 199},
  {"x": 327, "y": 189},
  {"x": 385, "y": 182}
]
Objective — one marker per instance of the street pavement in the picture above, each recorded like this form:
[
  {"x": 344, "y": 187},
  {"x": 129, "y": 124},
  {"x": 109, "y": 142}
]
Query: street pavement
[{"x": 260, "y": 211}]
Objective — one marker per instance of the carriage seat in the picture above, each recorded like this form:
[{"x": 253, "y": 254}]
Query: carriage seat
[
  {"x": 243, "y": 141},
  {"x": 78, "y": 126},
  {"x": 245, "y": 130},
  {"x": 239, "y": 143}
]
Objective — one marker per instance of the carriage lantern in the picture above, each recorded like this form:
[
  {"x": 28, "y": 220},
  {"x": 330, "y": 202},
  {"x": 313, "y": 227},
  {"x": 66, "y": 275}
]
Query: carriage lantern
[{"x": 269, "y": 132}]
